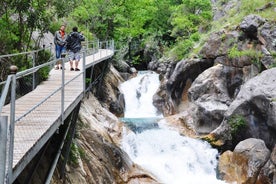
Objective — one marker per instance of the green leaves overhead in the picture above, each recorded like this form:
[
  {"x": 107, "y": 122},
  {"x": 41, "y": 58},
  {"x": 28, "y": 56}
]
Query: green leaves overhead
[
  {"x": 164, "y": 21},
  {"x": 124, "y": 19},
  {"x": 188, "y": 16}
]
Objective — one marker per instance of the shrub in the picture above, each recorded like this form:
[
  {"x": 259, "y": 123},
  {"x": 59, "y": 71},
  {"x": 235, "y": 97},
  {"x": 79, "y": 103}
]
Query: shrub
[{"x": 237, "y": 123}]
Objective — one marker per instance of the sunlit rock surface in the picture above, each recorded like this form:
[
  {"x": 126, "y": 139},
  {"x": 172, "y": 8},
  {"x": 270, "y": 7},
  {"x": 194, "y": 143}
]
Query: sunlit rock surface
[{"x": 245, "y": 162}]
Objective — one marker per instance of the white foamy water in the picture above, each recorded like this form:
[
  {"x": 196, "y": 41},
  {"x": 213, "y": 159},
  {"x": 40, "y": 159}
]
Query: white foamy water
[
  {"x": 172, "y": 158},
  {"x": 138, "y": 94}
]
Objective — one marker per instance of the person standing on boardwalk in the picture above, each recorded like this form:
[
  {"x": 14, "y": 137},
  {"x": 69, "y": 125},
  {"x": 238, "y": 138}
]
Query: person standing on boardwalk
[
  {"x": 74, "y": 40},
  {"x": 60, "y": 44}
]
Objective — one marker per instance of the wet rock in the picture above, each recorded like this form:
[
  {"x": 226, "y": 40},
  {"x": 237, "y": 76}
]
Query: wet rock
[
  {"x": 182, "y": 123},
  {"x": 162, "y": 66},
  {"x": 170, "y": 92},
  {"x": 121, "y": 66},
  {"x": 245, "y": 162},
  {"x": 185, "y": 70},
  {"x": 116, "y": 109}
]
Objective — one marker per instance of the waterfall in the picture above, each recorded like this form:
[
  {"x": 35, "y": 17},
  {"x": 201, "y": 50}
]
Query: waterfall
[{"x": 172, "y": 158}]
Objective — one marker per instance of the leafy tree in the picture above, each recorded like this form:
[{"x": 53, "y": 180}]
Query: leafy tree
[
  {"x": 189, "y": 16},
  {"x": 187, "y": 20}
]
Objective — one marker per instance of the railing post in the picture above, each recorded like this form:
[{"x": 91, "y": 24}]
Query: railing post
[
  {"x": 13, "y": 70},
  {"x": 3, "y": 146},
  {"x": 51, "y": 53},
  {"x": 106, "y": 47},
  {"x": 98, "y": 44},
  {"x": 100, "y": 49},
  {"x": 113, "y": 46},
  {"x": 62, "y": 87},
  {"x": 34, "y": 72},
  {"x": 84, "y": 71}
]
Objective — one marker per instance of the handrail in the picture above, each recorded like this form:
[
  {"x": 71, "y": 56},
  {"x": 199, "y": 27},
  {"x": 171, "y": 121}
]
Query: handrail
[
  {"x": 10, "y": 84},
  {"x": 109, "y": 45},
  {"x": 24, "y": 53}
]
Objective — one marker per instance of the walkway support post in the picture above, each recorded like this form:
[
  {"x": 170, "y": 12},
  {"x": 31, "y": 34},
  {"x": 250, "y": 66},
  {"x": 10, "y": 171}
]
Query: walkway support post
[
  {"x": 62, "y": 87},
  {"x": 3, "y": 146},
  {"x": 13, "y": 71}
]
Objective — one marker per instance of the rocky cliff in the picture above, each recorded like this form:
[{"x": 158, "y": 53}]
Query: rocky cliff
[{"x": 226, "y": 95}]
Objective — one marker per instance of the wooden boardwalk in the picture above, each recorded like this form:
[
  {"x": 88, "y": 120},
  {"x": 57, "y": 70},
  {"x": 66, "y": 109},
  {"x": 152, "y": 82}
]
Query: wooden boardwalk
[{"x": 34, "y": 130}]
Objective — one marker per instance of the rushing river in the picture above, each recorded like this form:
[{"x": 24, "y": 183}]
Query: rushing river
[{"x": 170, "y": 157}]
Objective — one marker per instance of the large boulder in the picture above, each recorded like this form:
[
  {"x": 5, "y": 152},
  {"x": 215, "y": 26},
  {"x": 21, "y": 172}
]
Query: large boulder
[
  {"x": 170, "y": 93},
  {"x": 244, "y": 163},
  {"x": 268, "y": 172},
  {"x": 210, "y": 95},
  {"x": 218, "y": 44},
  {"x": 257, "y": 105}
]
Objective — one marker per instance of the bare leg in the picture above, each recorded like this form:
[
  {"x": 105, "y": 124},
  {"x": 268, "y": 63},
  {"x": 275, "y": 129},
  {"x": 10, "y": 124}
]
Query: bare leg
[
  {"x": 76, "y": 63},
  {"x": 71, "y": 64}
]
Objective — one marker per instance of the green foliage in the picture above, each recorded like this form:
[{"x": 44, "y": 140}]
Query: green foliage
[
  {"x": 188, "y": 16},
  {"x": 181, "y": 49},
  {"x": 253, "y": 54},
  {"x": 240, "y": 9},
  {"x": 273, "y": 65},
  {"x": 43, "y": 57},
  {"x": 74, "y": 154},
  {"x": 237, "y": 123},
  {"x": 186, "y": 20},
  {"x": 273, "y": 54}
]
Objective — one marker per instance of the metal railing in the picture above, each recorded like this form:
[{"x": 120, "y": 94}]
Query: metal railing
[{"x": 7, "y": 123}]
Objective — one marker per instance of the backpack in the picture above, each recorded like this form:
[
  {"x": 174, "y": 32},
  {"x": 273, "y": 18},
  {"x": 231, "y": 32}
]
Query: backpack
[{"x": 69, "y": 42}]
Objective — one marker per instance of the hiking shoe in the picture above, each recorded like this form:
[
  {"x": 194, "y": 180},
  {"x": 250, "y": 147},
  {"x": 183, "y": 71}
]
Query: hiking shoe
[
  {"x": 71, "y": 69},
  {"x": 76, "y": 69}
]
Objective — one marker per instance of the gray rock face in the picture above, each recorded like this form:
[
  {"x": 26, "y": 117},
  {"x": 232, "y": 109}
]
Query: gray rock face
[
  {"x": 170, "y": 92},
  {"x": 250, "y": 25},
  {"x": 255, "y": 150},
  {"x": 268, "y": 172},
  {"x": 220, "y": 8},
  {"x": 256, "y": 103},
  {"x": 209, "y": 93},
  {"x": 184, "y": 70}
]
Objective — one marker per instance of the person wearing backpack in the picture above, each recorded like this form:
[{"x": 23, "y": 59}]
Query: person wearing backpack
[{"x": 74, "y": 40}]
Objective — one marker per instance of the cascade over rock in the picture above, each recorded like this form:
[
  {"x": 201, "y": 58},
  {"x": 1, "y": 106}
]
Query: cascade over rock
[
  {"x": 98, "y": 156},
  {"x": 231, "y": 97}
]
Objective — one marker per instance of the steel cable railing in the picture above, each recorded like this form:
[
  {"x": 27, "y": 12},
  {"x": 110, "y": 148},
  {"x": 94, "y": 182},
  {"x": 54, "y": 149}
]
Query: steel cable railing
[{"x": 30, "y": 115}]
